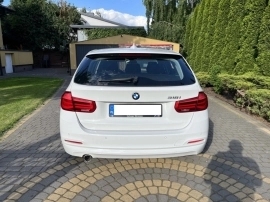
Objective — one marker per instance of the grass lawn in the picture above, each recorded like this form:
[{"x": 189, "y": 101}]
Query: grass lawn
[{"x": 20, "y": 96}]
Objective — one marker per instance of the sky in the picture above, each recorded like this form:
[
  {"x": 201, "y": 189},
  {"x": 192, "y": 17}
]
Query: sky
[{"x": 127, "y": 12}]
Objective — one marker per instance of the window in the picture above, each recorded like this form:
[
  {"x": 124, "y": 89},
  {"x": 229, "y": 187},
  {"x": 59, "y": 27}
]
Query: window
[{"x": 134, "y": 70}]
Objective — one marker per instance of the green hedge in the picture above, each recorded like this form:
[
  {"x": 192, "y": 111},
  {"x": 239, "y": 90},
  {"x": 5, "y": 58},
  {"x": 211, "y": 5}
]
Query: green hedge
[
  {"x": 254, "y": 90},
  {"x": 98, "y": 33},
  {"x": 231, "y": 33},
  {"x": 258, "y": 102},
  {"x": 203, "y": 78}
]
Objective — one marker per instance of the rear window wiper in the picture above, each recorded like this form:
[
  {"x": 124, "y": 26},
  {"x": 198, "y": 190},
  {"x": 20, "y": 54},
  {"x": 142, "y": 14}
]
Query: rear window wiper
[{"x": 121, "y": 80}]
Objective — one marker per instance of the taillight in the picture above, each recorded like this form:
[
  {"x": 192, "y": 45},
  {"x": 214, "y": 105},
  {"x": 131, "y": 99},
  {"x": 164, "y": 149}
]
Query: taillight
[
  {"x": 193, "y": 104},
  {"x": 74, "y": 104},
  {"x": 66, "y": 101}
]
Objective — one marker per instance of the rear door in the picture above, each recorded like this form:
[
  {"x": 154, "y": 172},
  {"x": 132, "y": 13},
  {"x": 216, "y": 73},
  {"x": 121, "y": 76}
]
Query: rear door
[
  {"x": 162, "y": 116},
  {"x": 135, "y": 92}
]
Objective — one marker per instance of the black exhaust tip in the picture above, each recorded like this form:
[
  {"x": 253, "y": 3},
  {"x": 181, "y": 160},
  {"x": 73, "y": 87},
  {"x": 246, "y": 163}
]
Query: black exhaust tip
[{"x": 87, "y": 158}]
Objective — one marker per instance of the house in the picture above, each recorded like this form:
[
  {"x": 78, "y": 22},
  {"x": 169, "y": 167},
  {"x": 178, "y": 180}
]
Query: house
[
  {"x": 78, "y": 50},
  {"x": 10, "y": 60},
  {"x": 92, "y": 21}
]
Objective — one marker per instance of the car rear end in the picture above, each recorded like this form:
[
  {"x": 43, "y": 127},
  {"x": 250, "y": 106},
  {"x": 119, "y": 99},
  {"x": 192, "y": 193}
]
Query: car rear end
[{"x": 133, "y": 103}]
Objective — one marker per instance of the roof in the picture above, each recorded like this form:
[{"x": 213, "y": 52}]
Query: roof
[
  {"x": 102, "y": 19},
  {"x": 111, "y": 27},
  {"x": 132, "y": 50},
  {"x": 5, "y": 10}
]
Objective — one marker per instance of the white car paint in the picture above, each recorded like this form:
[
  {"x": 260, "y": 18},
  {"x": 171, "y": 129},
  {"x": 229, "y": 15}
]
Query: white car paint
[{"x": 102, "y": 136}]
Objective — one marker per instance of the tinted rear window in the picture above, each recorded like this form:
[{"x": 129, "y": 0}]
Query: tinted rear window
[{"x": 134, "y": 70}]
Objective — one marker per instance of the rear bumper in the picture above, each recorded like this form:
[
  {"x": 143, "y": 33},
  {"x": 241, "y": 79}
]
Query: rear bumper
[
  {"x": 133, "y": 153},
  {"x": 133, "y": 144}
]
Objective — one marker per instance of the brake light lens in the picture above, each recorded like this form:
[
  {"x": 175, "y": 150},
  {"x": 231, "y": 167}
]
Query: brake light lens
[
  {"x": 74, "y": 104},
  {"x": 195, "y": 104}
]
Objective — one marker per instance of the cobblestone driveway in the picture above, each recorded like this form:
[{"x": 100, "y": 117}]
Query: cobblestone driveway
[{"x": 235, "y": 165}]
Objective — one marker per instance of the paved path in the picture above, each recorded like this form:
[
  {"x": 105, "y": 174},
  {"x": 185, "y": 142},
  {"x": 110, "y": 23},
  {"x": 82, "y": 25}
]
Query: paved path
[{"x": 234, "y": 167}]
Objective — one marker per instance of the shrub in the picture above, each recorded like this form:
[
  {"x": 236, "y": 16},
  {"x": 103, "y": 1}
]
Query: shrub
[
  {"x": 203, "y": 78},
  {"x": 258, "y": 102},
  {"x": 215, "y": 79},
  {"x": 249, "y": 91}
]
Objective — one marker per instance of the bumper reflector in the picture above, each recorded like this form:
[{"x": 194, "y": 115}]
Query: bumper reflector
[
  {"x": 74, "y": 142},
  {"x": 195, "y": 141}
]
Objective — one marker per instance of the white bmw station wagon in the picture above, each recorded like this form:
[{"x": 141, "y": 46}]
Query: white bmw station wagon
[{"x": 133, "y": 103}]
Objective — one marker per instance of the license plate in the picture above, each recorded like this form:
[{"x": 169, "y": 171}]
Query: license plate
[{"x": 135, "y": 110}]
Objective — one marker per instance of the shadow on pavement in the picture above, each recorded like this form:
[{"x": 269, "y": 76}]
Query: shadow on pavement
[
  {"x": 21, "y": 165},
  {"x": 239, "y": 179}
]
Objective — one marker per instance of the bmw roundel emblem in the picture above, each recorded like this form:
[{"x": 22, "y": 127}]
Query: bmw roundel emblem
[{"x": 135, "y": 96}]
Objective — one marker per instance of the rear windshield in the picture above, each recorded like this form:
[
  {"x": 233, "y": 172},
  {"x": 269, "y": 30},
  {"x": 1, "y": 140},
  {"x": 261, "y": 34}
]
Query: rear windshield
[{"x": 134, "y": 70}]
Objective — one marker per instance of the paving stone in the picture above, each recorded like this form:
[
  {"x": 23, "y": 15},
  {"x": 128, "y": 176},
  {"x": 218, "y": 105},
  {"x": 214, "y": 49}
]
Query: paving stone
[
  {"x": 216, "y": 197},
  {"x": 5, "y": 188},
  {"x": 101, "y": 183},
  {"x": 108, "y": 189},
  {"x": 163, "y": 198},
  {"x": 28, "y": 196},
  {"x": 79, "y": 198},
  {"x": 93, "y": 199},
  {"x": 139, "y": 177},
  {"x": 141, "y": 199},
  {"x": 86, "y": 193},
  {"x": 110, "y": 179},
  {"x": 232, "y": 198},
  {"x": 38, "y": 187},
  {"x": 173, "y": 200},
  {"x": 115, "y": 185},
  {"x": 152, "y": 198},
  {"x": 100, "y": 194}
]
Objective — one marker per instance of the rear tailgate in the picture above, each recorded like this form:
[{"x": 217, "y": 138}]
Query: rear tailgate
[{"x": 154, "y": 110}]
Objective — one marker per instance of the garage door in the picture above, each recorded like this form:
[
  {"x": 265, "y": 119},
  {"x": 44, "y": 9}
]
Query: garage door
[{"x": 82, "y": 49}]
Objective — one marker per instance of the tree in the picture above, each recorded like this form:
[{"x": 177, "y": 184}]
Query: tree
[
  {"x": 250, "y": 28},
  {"x": 98, "y": 13},
  {"x": 263, "y": 60},
  {"x": 31, "y": 26},
  {"x": 188, "y": 32},
  {"x": 193, "y": 3},
  {"x": 233, "y": 34},
  {"x": 181, "y": 19},
  {"x": 189, "y": 37},
  {"x": 197, "y": 32},
  {"x": 40, "y": 24},
  {"x": 202, "y": 35},
  {"x": 149, "y": 9},
  {"x": 208, "y": 41},
  {"x": 166, "y": 19},
  {"x": 83, "y": 10},
  {"x": 219, "y": 33},
  {"x": 65, "y": 16}
]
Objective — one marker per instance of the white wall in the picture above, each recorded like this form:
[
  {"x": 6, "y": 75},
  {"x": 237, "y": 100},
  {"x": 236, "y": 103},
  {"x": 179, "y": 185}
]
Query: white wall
[{"x": 81, "y": 35}]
